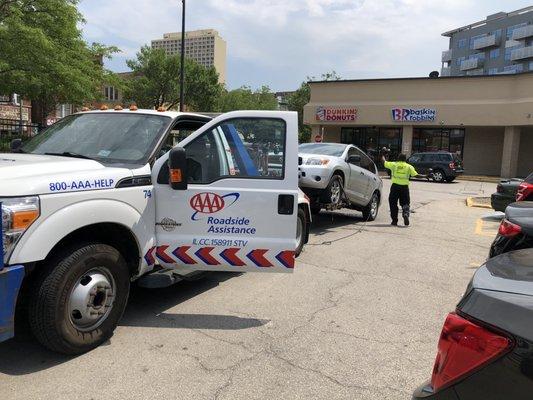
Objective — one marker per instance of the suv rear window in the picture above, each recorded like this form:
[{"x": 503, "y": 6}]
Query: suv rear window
[{"x": 445, "y": 157}]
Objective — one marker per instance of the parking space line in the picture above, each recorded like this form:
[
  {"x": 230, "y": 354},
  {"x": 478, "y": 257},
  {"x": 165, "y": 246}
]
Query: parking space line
[{"x": 481, "y": 231}]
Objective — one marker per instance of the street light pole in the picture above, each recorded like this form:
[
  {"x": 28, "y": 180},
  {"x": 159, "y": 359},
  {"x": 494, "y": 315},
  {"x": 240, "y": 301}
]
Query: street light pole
[{"x": 182, "y": 66}]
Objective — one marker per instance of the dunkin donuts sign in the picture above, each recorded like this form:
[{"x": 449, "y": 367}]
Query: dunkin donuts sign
[{"x": 335, "y": 114}]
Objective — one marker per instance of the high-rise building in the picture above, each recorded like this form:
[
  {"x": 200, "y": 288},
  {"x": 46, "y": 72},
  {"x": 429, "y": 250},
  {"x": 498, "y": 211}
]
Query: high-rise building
[
  {"x": 204, "y": 46},
  {"x": 500, "y": 44}
]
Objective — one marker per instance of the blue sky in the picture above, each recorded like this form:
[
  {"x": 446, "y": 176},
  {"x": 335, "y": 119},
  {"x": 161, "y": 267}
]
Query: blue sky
[{"x": 280, "y": 42}]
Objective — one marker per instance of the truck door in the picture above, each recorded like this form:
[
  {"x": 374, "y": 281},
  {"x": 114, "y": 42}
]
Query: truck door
[{"x": 238, "y": 212}]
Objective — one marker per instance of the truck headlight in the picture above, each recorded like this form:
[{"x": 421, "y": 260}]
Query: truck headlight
[
  {"x": 18, "y": 213},
  {"x": 317, "y": 161}
]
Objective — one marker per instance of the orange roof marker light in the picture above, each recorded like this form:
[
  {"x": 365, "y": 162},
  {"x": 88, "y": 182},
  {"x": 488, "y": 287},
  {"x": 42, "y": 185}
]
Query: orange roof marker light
[
  {"x": 103, "y": 107},
  {"x": 118, "y": 107},
  {"x": 161, "y": 109},
  {"x": 85, "y": 109},
  {"x": 133, "y": 107}
]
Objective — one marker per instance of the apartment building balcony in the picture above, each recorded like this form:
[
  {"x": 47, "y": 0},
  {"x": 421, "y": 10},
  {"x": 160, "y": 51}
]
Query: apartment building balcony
[
  {"x": 446, "y": 56},
  {"x": 486, "y": 42},
  {"x": 522, "y": 53},
  {"x": 523, "y": 32},
  {"x": 446, "y": 71},
  {"x": 471, "y": 63}
]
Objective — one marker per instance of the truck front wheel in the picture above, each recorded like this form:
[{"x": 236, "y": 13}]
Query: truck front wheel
[{"x": 80, "y": 298}]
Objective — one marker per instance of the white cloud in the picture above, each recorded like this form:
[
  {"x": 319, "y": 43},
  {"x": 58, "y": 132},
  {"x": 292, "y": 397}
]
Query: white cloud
[{"x": 280, "y": 42}]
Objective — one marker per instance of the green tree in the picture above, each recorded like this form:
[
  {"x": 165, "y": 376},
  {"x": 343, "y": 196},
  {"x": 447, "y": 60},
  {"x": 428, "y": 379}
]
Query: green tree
[
  {"x": 44, "y": 57},
  {"x": 244, "y": 98},
  {"x": 156, "y": 82},
  {"x": 301, "y": 97}
]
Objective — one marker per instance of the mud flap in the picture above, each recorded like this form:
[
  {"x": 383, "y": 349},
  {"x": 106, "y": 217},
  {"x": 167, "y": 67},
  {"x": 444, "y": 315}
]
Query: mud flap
[{"x": 10, "y": 282}]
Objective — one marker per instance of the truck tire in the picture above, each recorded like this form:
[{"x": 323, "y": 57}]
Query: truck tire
[
  {"x": 370, "y": 211},
  {"x": 80, "y": 298},
  {"x": 301, "y": 227},
  {"x": 333, "y": 193}
]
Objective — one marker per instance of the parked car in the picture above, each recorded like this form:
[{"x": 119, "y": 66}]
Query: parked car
[
  {"x": 505, "y": 194},
  {"x": 525, "y": 190},
  {"x": 516, "y": 229},
  {"x": 440, "y": 166},
  {"x": 336, "y": 175},
  {"x": 485, "y": 350}
]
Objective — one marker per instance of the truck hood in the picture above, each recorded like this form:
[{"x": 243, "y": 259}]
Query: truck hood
[
  {"x": 31, "y": 174},
  {"x": 307, "y": 156}
]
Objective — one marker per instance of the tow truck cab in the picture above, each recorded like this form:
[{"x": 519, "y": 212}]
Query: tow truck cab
[{"x": 104, "y": 198}]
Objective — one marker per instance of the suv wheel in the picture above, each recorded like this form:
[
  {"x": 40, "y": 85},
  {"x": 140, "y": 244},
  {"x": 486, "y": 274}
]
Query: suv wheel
[
  {"x": 370, "y": 212},
  {"x": 439, "y": 176},
  {"x": 333, "y": 193}
]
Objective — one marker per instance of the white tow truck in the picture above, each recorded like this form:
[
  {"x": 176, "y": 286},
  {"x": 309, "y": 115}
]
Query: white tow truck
[{"x": 104, "y": 198}]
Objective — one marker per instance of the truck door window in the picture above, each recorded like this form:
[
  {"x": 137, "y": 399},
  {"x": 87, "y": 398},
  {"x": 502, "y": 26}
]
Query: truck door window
[{"x": 243, "y": 148}]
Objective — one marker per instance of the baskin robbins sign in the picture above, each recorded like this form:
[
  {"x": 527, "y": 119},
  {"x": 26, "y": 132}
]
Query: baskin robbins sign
[
  {"x": 413, "y": 114},
  {"x": 336, "y": 114}
]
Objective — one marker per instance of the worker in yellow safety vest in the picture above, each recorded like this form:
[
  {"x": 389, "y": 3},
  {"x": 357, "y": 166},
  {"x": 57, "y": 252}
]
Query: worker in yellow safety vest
[{"x": 401, "y": 171}]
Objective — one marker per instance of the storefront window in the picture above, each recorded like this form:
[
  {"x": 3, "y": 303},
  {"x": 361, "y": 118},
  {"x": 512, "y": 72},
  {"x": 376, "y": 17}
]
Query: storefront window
[
  {"x": 451, "y": 140},
  {"x": 372, "y": 139}
]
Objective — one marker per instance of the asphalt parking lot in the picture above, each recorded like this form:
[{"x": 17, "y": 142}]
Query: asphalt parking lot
[{"x": 359, "y": 318}]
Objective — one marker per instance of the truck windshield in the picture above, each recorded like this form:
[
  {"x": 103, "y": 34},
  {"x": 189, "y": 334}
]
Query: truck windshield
[{"x": 107, "y": 137}]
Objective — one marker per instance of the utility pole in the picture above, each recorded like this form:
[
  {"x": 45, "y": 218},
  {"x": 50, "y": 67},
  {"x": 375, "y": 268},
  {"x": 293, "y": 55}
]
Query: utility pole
[{"x": 182, "y": 66}]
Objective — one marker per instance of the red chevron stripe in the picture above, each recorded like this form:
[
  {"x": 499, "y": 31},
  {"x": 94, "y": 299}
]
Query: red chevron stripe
[
  {"x": 258, "y": 258},
  {"x": 286, "y": 258},
  {"x": 160, "y": 253},
  {"x": 181, "y": 253},
  {"x": 230, "y": 255},
  {"x": 204, "y": 255},
  {"x": 149, "y": 257}
]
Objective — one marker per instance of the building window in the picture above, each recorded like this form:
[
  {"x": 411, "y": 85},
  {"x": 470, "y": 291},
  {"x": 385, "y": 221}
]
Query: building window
[
  {"x": 473, "y": 40},
  {"x": 461, "y": 44},
  {"x": 493, "y": 71},
  {"x": 435, "y": 139},
  {"x": 460, "y": 60},
  {"x": 111, "y": 93},
  {"x": 530, "y": 66},
  {"x": 370, "y": 140},
  {"x": 513, "y": 69},
  {"x": 494, "y": 53},
  {"x": 497, "y": 33},
  {"x": 511, "y": 29}
]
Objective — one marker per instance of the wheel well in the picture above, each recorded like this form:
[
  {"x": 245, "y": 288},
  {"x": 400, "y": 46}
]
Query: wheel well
[
  {"x": 115, "y": 235},
  {"x": 341, "y": 174}
]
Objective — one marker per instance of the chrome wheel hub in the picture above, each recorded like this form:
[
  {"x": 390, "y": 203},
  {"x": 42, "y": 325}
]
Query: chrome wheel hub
[
  {"x": 91, "y": 299},
  {"x": 335, "y": 192},
  {"x": 374, "y": 207}
]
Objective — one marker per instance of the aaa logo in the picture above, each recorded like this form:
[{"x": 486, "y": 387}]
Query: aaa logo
[{"x": 210, "y": 203}]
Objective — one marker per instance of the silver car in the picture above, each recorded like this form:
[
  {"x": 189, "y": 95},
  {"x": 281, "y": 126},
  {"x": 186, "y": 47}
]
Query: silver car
[{"x": 336, "y": 175}]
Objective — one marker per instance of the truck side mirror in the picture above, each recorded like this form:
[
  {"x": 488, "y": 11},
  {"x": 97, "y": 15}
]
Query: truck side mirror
[
  {"x": 177, "y": 165},
  {"x": 354, "y": 159},
  {"x": 16, "y": 144}
]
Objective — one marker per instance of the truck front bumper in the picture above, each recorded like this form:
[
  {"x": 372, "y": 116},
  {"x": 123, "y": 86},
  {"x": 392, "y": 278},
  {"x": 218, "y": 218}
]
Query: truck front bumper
[{"x": 10, "y": 282}]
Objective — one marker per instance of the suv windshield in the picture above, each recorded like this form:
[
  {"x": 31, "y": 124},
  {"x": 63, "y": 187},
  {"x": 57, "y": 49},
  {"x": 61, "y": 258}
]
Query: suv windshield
[
  {"x": 107, "y": 137},
  {"x": 326, "y": 149}
]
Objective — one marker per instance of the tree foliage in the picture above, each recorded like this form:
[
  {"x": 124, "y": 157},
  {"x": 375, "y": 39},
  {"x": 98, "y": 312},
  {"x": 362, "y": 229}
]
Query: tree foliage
[
  {"x": 301, "y": 97},
  {"x": 156, "y": 82},
  {"x": 245, "y": 98},
  {"x": 43, "y": 55}
]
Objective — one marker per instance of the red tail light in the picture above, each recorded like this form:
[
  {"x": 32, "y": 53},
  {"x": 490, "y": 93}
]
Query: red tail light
[
  {"x": 524, "y": 190},
  {"x": 508, "y": 229},
  {"x": 452, "y": 165},
  {"x": 463, "y": 348}
]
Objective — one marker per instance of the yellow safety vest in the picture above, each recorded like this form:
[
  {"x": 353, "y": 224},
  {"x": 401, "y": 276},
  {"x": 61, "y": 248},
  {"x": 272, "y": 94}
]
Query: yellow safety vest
[{"x": 400, "y": 172}]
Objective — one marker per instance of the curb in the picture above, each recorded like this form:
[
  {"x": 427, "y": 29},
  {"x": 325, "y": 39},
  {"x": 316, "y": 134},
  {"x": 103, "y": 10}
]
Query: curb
[{"x": 476, "y": 202}]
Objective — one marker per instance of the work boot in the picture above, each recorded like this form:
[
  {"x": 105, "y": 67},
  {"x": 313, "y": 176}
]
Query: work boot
[{"x": 405, "y": 215}]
